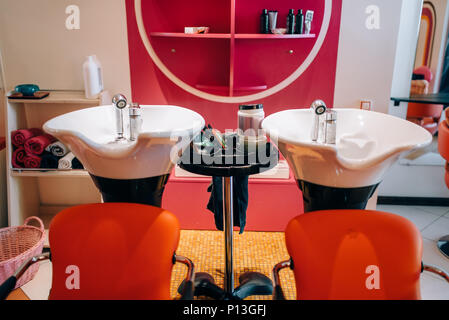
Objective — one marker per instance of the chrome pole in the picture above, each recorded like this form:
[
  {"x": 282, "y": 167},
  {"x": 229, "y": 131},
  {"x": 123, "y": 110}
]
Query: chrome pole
[{"x": 228, "y": 230}]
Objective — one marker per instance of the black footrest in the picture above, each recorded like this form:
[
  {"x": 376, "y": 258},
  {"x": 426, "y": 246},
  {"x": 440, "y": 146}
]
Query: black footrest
[
  {"x": 253, "y": 284},
  {"x": 205, "y": 286}
]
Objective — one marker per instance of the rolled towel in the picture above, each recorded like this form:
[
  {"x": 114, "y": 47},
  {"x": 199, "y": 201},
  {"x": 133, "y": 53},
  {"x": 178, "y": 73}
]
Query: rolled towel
[
  {"x": 66, "y": 161},
  {"x": 37, "y": 145},
  {"x": 57, "y": 149},
  {"x": 49, "y": 161},
  {"x": 76, "y": 164},
  {"x": 32, "y": 161},
  {"x": 19, "y": 137},
  {"x": 18, "y": 157}
]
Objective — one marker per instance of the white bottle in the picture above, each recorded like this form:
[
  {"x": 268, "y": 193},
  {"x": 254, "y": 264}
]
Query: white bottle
[{"x": 93, "y": 77}]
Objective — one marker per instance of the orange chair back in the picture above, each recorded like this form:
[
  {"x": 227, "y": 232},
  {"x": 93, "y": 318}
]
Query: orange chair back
[
  {"x": 425, "y": 115},
  {"x": 443, "y": 145},
  {"x": 354, "y": 254},
  {"x": 421, "y": 110},
  {"x": 114, "y": 251}
]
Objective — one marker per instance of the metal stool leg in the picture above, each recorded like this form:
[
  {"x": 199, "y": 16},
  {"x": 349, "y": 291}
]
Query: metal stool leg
[{"x": 228, "y": 230}]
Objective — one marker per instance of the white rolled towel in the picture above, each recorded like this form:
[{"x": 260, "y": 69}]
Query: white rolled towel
[
  {"x": 57, "y": 149},
  {"x": 66, "y": 162}
]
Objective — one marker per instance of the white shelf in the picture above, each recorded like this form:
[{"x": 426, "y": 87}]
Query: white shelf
[
  {"x": 62, "y": 96},
  {"x": 45, "y": 192}
]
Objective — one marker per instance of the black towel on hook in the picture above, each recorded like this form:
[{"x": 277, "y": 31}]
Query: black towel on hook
[{"x": 240, "y": 198}]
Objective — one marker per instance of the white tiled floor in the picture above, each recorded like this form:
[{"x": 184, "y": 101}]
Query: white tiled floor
[{"x": 433, "y": 222}]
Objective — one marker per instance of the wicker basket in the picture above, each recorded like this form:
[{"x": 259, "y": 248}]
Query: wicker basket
[{"x": 17, "y": 245}]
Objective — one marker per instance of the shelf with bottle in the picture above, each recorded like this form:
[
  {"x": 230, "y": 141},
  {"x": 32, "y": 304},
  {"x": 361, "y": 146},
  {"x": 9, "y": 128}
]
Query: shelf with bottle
[
  {"x": 189, "y": 35},
  {"x": 61, "y": 97},
  {"x": 273, "y": 36},
  {"x": 229, "y": 36}
]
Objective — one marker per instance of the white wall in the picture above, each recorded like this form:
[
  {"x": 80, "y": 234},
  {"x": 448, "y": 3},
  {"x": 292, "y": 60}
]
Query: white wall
[
  {"x": 414, "y": 181},
  {"x": 37, "y": 47},
  {"x": 366, "y": 58}
]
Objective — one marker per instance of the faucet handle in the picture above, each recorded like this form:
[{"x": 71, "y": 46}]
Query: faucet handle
[
  {"x": 319, "y": 107},
  {"x": 119, "y": 101}
]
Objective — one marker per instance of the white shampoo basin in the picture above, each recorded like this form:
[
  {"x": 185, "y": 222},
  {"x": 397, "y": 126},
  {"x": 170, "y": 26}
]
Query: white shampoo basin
[
  {"x": 368, "y": 143},
  {"x": 90, "y": 134}
]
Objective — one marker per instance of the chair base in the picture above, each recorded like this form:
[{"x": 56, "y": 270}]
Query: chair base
[
  {"x": 443, "y": 245},
  {"x": 251, "y": 283}
]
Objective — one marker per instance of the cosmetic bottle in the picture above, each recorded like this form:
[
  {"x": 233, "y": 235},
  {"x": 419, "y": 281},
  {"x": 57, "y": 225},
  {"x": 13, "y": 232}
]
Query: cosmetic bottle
[
  {"x": 272, "y": 19},
  {"x": 308, "y": 21},
  {"x": 264, "y": 24},
  {"x": 291, "y": 22},
  {"x": 299, "y": 22},
  {"x": 93, "y": 79}
]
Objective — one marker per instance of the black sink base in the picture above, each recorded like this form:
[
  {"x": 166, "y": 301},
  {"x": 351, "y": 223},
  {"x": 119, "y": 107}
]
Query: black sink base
[
  {"x": 317, "y": 197},
  {"x": 144, "y": 190}
]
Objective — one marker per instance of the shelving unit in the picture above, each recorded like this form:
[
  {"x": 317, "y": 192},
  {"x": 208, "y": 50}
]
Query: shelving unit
[
  {"x": 42, "y": 192},
  {"x": 197, "y": 59}
]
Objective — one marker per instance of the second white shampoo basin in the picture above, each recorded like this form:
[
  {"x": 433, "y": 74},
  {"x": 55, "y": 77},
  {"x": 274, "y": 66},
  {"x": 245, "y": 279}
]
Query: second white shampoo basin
[
  {"x": 90, "y": 134},
  {"x": 367, "y": 144}
]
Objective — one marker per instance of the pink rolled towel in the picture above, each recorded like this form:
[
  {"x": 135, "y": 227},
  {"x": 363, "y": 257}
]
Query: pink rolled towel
[
  {"x": 19, "y": 137},
  {"x": 32, "y": 161},
  {"x": 18, "y": 157},
  {"x": 38, "y": 144}
]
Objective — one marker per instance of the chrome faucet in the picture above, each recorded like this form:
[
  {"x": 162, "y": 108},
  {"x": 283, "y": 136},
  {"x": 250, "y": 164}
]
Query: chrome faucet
[
  {"x": 135, "y": 121},
  {"x": 329, "y": 135},
  {"x": 318, "y": 108},
  {"x": 119, "y": 101}
]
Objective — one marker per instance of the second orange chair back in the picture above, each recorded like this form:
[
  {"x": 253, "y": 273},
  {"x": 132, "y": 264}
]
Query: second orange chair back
[
  {"x": 443, "y": 143},
  {"x": 340, "y": 254},
  {"x": 117, "y": 251},
  {"x": 425, "y": 115}
]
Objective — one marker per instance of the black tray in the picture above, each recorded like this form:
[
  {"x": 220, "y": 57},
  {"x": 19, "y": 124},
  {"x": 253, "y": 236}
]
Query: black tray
[{"x": 224, "y": 164}]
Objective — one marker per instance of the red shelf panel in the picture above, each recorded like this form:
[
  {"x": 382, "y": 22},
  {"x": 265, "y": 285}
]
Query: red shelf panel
[
  {"x": 187, "y": 35},
  {"x": 226, "y": 88},
  {"x": 212, "y": 87},
  {"x": 251, "y": 88},
  {"x": 273, "y": 36},
  {"x": 228, "y": 35}
]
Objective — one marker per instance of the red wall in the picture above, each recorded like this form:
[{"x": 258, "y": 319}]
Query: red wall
[{"x": 254, "y": 62}]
